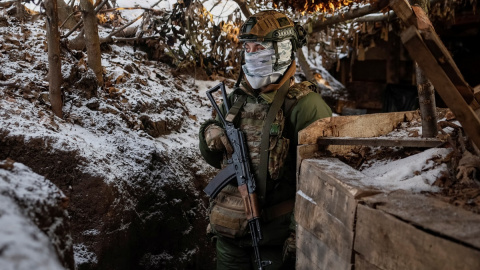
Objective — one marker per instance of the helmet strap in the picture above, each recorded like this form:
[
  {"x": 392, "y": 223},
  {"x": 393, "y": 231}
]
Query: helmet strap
[
  {"x": 277, "y": 56},
  {"x": 240, "y": 75}
]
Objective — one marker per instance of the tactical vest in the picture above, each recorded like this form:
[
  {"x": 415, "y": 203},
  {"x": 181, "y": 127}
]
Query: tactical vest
[{"x": 227, "y": 212}]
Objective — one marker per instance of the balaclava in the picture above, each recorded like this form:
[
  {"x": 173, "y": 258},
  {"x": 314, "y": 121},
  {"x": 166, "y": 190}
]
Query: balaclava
[{"x": 259, "y": 66}]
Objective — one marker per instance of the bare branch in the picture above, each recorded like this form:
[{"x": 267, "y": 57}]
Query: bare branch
[{"x": 97, "y": 9}]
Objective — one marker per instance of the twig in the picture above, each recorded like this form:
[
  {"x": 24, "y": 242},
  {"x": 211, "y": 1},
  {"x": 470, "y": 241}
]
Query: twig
[
  {"x": 134, "y": 38},
  {"x": 71, "y": 14},
  {"x": 123, "y": 8},
  {"x": 97, "y": 9},
  {"x": 12, "y": 84},
  {"x": 123, "y": 27}
]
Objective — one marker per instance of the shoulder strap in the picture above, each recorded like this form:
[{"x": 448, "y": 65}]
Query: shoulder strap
[
  {"x": 264, "y": 143},
  {"x": 232, "y": 113}
]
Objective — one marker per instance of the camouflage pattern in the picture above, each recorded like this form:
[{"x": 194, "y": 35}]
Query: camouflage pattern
[
  {"x": 299, "y": 90},
  {"x": 251, "y": 122},
  {"x": 227, "y": 213}
]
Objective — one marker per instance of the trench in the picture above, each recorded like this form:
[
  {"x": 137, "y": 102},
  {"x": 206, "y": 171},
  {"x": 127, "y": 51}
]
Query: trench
[{"x": 165, "y": 228}]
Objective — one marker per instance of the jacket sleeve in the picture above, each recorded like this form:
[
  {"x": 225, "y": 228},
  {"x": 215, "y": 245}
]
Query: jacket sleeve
[
  {"x": 309, "y": 109},
  {"x": 213, "y": 158}
]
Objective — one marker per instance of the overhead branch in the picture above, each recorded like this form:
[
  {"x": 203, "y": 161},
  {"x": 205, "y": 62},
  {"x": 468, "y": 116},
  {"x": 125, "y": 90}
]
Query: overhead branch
[{"x": 349, "y": 15}]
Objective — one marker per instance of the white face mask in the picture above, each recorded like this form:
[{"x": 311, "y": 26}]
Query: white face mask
[{"x": 259, "y": 65}]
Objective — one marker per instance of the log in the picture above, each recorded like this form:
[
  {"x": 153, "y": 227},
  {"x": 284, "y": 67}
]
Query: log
[
  {"x": 345, "y": 16},
  {"x": 369, "y": 125}
]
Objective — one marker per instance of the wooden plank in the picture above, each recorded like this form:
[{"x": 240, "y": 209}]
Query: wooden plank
[
  {"x": 362, "y": 264},
  {"x": 444, "y": 219},
  {"x": 369, "y": 125},
  {"x": 314, "y": 254},
  {"x": 405, "y": 142},
  {"x": 304, "y": 152},
  {"x": 325, "y": 227},
  {"x": 404, "y": 11},
  {"x": 390, "y": 243},
  {"x": 415, "y": 16},
  {"x": 453, "y": 99},
  {"x": 445, "y": 60},
  {"x": 334, "y": 186}
]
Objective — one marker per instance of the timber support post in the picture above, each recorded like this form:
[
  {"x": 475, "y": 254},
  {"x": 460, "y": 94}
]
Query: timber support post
[{"x": 426, "y": 48}]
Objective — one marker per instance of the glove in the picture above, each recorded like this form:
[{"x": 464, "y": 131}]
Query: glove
[
  {"x": 289, "y": 248},
  {"x": 216, "y": 139}
]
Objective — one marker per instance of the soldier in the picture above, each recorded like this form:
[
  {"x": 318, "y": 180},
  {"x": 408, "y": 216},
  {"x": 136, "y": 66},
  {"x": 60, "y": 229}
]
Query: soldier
[{"x": 270, "y": 41}]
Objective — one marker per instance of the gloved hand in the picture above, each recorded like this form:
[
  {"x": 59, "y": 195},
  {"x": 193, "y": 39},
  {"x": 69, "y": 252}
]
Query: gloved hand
[
  {"x": 290, "y": 248},
  {"x": 216, "y": 139}
]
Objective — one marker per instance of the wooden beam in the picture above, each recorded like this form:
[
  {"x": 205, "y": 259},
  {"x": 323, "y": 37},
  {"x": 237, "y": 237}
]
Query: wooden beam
[
  {"x": 405, "y": 142},
  {"x": 446, "y": 89},
  {"x": 404, "y": 11}
]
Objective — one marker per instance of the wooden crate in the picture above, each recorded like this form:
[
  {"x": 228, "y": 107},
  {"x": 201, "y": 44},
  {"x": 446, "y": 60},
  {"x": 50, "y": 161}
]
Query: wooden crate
[
  {"x": 343, "y": 224},
  {"x": 325, "y": 209}
]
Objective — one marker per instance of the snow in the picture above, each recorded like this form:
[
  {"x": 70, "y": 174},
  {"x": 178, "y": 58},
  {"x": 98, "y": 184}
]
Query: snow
[
  {"x": 415, "y": 173},
  {"x": 82, "y": 255},
  {"x": 23, "y": 244}
]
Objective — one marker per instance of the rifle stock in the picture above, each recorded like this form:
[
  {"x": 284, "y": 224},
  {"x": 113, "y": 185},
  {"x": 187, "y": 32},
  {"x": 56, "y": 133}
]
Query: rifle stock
[{"x": 239, "y": 169}]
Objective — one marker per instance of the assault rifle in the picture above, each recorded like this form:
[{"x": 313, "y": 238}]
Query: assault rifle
[{"x": 239, "y": 168}]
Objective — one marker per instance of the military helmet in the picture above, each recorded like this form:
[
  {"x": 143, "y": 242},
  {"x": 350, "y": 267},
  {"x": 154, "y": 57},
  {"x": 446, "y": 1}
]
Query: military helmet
[{"x": 271, "y": 25}]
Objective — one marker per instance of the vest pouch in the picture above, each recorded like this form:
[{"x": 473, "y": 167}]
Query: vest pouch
[
  {"x": 227, "y": 213},
  {"x": 278, "y": 154}
]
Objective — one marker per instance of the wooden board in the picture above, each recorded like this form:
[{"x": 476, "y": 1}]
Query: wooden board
[
  {"x": 314, "y": 254},
  {"x": 362, "y": 264},
  {"x": 442, "y": 218},
  {"x": 333, "y": 186},
  {"x": 446, "y": 62},
  {"x": 357, "y": 126},
  {"x": 390, "y": 243},
  {"x": 383, "y": 141},
  {"x": 445, "y": 88},
  {"x": 304, "y": 152},
  {"x": 415, "y": 16},
  {"x": 325, "y": 207},
  {"x": 326, "y": 228}
]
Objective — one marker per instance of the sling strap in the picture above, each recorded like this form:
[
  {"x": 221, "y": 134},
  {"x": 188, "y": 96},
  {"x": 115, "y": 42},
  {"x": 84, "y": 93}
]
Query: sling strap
[
  {"x": 264, "y": 143},
  {"x": 232, "y": 113}
]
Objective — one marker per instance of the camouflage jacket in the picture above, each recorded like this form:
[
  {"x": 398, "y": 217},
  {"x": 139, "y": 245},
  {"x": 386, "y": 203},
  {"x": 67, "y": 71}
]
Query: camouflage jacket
[{"x": 306, "y": 106}]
